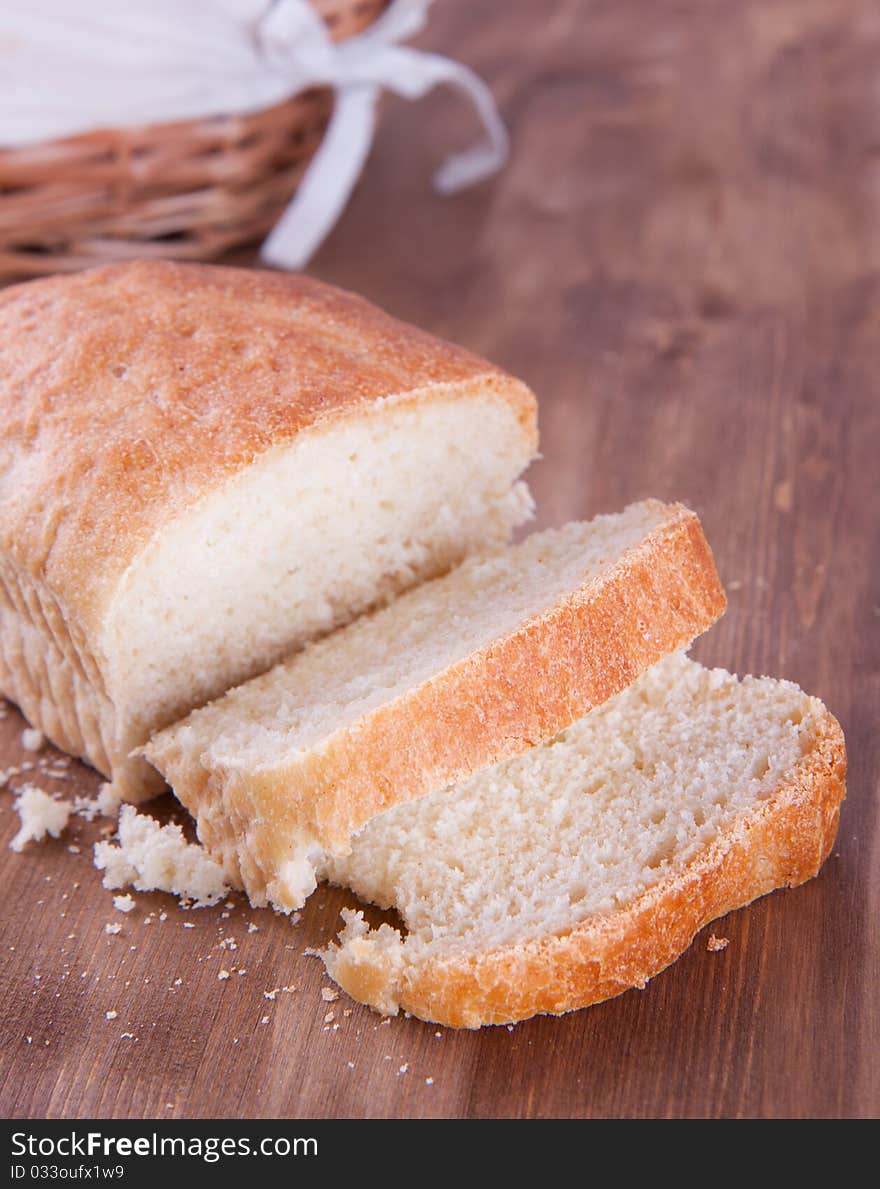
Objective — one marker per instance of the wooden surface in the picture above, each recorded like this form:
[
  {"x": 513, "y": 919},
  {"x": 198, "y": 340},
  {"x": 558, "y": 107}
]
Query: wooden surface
[{"x": 682, "y": 258}]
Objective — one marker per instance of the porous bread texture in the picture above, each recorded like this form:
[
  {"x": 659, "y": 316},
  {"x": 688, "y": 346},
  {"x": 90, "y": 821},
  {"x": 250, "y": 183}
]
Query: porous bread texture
[
  {"x": 203, "y": 468},
  {"x": 585, "y": 866},
  {"x": 155, "y": 858},
  {"x": 475, "y": 666}
]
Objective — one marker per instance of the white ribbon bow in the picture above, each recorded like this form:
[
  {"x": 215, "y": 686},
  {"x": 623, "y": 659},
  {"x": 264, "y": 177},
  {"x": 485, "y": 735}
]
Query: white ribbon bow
[{"x": 358, "y": 69}]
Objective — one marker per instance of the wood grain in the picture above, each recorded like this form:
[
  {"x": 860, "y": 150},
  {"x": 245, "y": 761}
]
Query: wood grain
[{"x": 683, "y": 258}]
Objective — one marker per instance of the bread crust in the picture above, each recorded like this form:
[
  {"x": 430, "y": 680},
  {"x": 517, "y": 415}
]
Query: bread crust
[
  {"x": 782, "y": 842},
  {"x": 116, "y": 418},
  {"x": 500, "y": 700}
]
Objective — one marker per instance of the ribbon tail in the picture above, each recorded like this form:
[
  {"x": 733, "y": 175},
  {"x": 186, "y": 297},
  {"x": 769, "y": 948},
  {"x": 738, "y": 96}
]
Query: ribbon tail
[
  {"x": 328, "y": 182},
  {"x": 412, "y": 74},
  {"x": 481, "y": 160}
]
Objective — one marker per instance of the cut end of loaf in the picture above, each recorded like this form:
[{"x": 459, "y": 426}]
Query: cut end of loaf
[
  {"x": 345, "y": 517},
  {"x": 585, "y": 867}
]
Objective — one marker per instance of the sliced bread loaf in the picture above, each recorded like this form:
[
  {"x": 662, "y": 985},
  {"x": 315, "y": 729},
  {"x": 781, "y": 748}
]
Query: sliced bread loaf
[
  {"x": 460, "y": 673},
  {"x": 203, "y": 468},
  {"x": 585, "y": 866}
]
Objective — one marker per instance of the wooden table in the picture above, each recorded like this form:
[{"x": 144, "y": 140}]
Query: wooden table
[{"x": 682, "y": 258}]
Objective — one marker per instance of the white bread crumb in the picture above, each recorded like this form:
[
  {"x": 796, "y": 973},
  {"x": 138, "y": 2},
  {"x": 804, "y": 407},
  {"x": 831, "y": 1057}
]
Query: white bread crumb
[
  {"x": 714, "y": 944},
  {"x": 154, "y": 858},
  {"x": 108, "y": 800},
  {"x": 86, "y": 808},
  {"x": 111, "y": 1015},
  {"x": 112, "y": 929},
  {"x": 224, "y": 974},
  {"x": 123, "y": 903},
  {"x": 40, "y": 815},
  {"x": 106, "y": 804},
  {"x": 329, "y": 995},
  {"x": 32, "y": 739}
]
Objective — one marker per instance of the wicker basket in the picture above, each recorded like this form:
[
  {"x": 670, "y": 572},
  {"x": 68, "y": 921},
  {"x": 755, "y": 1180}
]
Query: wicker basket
[{"x": 190, "y": 190}]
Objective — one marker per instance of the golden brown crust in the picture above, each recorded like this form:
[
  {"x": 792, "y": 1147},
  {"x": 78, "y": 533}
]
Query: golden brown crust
[
  {"x": 501, "y": 700},
  {"x": 127, "y": 394},
  {"x": 782, "y": 842},
  {"x": 115, "y": 389}
]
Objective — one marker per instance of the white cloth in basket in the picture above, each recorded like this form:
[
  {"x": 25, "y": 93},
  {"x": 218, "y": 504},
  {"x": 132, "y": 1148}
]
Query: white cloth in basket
[{"x": 69, "y": 68}]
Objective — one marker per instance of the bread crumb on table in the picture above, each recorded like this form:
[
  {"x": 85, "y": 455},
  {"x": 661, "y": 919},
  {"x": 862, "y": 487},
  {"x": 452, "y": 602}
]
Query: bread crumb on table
[
  {"x": 32, "y": 739},
  {"x": 714, "y": 944},
  {"x": 329, "y": 995},
  {"x": 155, "y": 858},
  {"x": 106, "y": 804},
  {"x": 40, "y": 814},
  {"x": 123, "y": 903}
]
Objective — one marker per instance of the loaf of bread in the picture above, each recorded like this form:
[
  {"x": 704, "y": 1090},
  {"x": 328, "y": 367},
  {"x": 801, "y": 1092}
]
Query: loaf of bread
[
  {"x": 585, "y": 866},
  {"x": 202, "y": 468},
  {"x": 457, "y": 674}
]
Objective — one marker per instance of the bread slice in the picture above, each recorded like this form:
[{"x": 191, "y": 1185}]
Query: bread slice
[
  {"x": 585, "y": 866},
  {"x": 460, "y": 673},
  {"x": 203, "y": 468}
]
